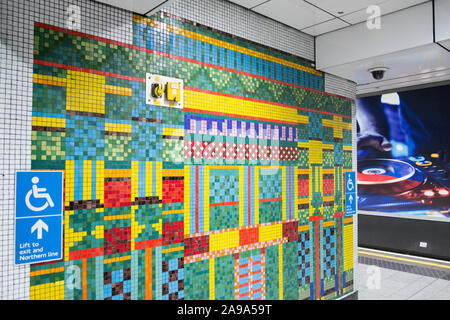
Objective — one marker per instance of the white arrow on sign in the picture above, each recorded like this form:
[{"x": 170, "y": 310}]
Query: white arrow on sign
[
  {"x": 39, "y": 225},
  {"x": 351, "y": 199}
]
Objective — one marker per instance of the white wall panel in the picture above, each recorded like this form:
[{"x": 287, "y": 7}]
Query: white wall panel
[
  {"x": 401, "y": 30},
  {"x": 442, "y": 19}
]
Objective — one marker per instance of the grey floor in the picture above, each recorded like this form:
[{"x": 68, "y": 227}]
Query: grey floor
[{"x": 386, "y": 279}]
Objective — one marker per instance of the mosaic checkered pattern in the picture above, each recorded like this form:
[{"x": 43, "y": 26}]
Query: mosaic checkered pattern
[
  {"x": 304, "y": 271},
  {"x": 236, "y": 196},
  {"x": 117, "y": 285},
  {"x": 329, "y": 256}
]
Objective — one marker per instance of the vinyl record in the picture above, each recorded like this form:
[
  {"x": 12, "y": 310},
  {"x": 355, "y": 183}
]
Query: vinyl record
[{"x": 388, "y": 176}]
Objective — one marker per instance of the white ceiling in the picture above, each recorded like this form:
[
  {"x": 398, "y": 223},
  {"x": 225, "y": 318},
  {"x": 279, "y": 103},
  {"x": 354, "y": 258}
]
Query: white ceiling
[
  {"x": 139, "y": 6},
  {"x": 418, "y": 66},
  {"x": 316, "y": 17}
]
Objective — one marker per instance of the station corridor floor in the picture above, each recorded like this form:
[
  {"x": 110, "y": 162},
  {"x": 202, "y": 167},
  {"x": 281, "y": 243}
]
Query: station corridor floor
[{"x": 388, "y": 276}]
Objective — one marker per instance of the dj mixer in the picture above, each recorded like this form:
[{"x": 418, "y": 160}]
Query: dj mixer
[{"x": 419, "y": 184}]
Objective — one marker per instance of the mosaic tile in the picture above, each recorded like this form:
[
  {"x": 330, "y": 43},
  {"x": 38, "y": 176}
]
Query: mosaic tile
[{"x": 236, "y": 196}]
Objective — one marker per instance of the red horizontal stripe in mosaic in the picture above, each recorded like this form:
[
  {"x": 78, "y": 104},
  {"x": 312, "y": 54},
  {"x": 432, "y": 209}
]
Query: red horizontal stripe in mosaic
[
  {"x": 316, "y": 218},
  {"x": 147, "y": 244},
  {"x": 86, "y": 253}
]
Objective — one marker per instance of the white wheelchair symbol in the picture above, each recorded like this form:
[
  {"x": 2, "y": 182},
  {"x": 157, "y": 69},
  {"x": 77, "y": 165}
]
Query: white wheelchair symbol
[
  {"x": 38, "y": 193},
  {"x": 350, "y": 184}
]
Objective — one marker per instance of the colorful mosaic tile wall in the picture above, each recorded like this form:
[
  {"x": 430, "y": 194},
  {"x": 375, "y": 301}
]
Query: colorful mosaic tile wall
[{"x": 237, "y": 196}]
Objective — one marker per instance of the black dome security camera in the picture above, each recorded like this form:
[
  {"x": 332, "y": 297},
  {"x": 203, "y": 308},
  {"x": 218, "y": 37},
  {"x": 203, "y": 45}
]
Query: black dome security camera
[{"x": 378, "y": 72}]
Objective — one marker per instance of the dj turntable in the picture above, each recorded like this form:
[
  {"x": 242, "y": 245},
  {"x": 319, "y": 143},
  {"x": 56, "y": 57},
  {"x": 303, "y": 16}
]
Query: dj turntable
[{"x": 417, "y": 185}]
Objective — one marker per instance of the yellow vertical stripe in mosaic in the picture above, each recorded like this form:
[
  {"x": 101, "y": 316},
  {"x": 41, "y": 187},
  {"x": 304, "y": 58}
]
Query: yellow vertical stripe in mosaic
[
  {"x": 296, "y": 192},
  {"x": 256, "y": 204},
  {"x": 230, "y": 105},
  {"x": 87, "y": 180},
  {"x": 48, "y": 291},
  {"x": 158, "y": 183},
  {"x": 196, "y": 36},
  {"x": 280, "y": 271},
  {"x": 85, "y": 92},
  {"x": 206, "y": 199},
  {"x": 284, "y": 172},
  {"x": 315, "y": 183},
  {"x": 69, "y": 182},
  {"x": 315, "y": 152},
  {"x": 241, "y": 196},
  {"x": 339, "y": 174},
  {"x": 212, "y": 287},
  {"x": 100, "y": 181},
  {"x": 158, "y": 226},
  {"x": 148, "y": 178},
  {"x": 187, "y": 200},
  {"x": 134, "y": 180},
  {"x": 348, "y": 247}
]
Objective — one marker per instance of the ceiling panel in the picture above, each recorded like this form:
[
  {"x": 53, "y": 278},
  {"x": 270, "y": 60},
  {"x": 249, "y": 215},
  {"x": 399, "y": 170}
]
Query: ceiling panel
[
  {"x": 420, "y": 65},
  {"x": 295, "y": 13},
  {"x": 248, "y": 3},
  {"x": 445, "y": 44},
  {"x": 386, "y": 6},
  {"x": 346, "y": 6},
  {"x": 324, "y": 27},
  {"x": 138, "y": 6}
]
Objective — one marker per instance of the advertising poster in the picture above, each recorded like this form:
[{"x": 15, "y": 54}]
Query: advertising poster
[{"x": 403, "y": 152}]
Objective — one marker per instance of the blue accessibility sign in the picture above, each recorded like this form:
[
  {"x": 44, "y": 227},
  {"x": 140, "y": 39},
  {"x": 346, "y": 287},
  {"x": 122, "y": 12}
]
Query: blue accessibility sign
[
  {"x": 38, "y": 216},
  {"x": 350, "y": 193}
]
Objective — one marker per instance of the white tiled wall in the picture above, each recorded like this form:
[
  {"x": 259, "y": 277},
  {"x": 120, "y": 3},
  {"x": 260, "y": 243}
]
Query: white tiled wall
[
  {"x": 250, "y": 25},
  {"x": 16, "y": 72},
  {"x": 340, "y": 86}
]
